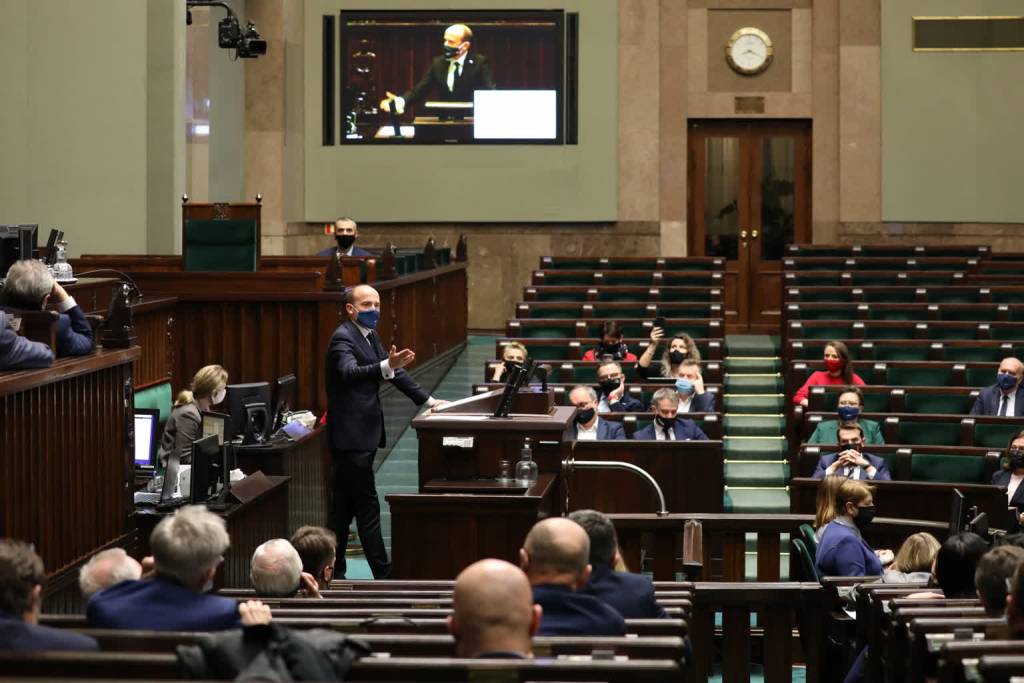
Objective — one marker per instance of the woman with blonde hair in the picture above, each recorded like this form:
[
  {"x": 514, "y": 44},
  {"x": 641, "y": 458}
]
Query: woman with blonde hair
[
  {"x": 208, "y": 388},
  {"x": 914, "y": 560},
  {"x": 825, "y": 503},
  {"x": 843, "y": 550},
  {"x": 681, "y": 347}
]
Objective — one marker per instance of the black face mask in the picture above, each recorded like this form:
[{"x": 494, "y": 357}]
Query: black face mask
[
  {"x": 345, "y": 241},
  {"x": 1016, "y": 459},
  {"x": 584, "y": 416},
  {"x": 613, "y": 350},
  {"x": 676, "y": 357},
  {"x": 610, "y": 385},
  {"x": 864, "y": 516},
  {"x": 665, "y": 421}
]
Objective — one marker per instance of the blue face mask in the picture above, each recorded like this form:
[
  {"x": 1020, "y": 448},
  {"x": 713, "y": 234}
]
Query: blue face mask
[
  {"x": 1006, "y": 381},
  {"x": 848, "y": 413},
  {"x": 368, "y": 318},
  {"x": 684, "y": 386}
]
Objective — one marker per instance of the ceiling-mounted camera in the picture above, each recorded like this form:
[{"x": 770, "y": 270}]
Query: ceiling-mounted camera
[{"x": 247, "y": 43}]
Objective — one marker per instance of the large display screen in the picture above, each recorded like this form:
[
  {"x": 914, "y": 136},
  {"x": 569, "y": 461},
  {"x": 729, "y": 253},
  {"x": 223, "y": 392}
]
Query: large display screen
[{"x": 443, "y": 77}]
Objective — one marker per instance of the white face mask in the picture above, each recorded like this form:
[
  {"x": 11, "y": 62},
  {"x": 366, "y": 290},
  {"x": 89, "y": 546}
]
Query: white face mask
[{"x": 218, "y": 396}]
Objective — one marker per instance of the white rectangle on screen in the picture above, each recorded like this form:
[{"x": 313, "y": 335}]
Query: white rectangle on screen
[
  {"x": 515, "y": 114},
  {"x": 144, "y": 426}
]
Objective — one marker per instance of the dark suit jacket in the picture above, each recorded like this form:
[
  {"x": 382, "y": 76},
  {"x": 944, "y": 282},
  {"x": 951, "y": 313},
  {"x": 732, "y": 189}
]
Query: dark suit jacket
[
  {"x": 74, "y": 333},
  {"x": 627, "y": 404},
  {"x": 703, "y": 403},
  {"x": 17, "y": 352},
  {"x": 567, "y": 613},
  {"x": 685, "y": 430},
  {"x": 356, "y": 251},
  {"x": 355, "y": 421},
  {"x": 17, "y": 636},
  {"x": 476, "y": 75},
  {"x": 607, "y": 430},
  {"x": 842, "y": 552},
  {"x": 881, "y": 469},
  {"x": 160, "y": 604},
  {"x": 1002, "y": 478},
  {"x": 631, "y": 595},
  {"x": 988, "y": 401}
]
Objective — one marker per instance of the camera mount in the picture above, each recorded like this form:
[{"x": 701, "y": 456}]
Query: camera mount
[{"x": 248, "y": 44}]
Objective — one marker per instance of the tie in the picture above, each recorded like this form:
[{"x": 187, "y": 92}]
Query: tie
[
  {"x": 668, "y": 434},
  {"x": 371, "y": 339},
  {"x": 453, "y": 73},
  {"x": 1002, "y": 406}
]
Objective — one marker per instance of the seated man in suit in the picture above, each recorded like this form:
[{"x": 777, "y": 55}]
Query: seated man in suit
[
  {"x": 345, "y": 233},
  {"x": 493, "y": 615},
  {"x": 850, "y": 461},
  {"x": 613, "y": 397},
  {"x": 632, "y": 595},
  {"x": 994, "y": 573},
  {"x": 29, "y": 286},
  {"x": 1006, "y": 396},
  {"x": 454, "y": 76},
  {"x": 188, "y": 547},
  {"x": 588, "y": 426},
  {"x": 21, "y": 591},
  {"x": 1015, "y": 604},
  {"x": 690, "y": 385},
  {"x": 666, "y": 426},
  {"x": 276, "y": 572},
  {"x": 318, "y": 549},
  {"x": 106, "y": 568},
  {"x": 554, "y": 557},
  {"x": 19, "y": 353}
]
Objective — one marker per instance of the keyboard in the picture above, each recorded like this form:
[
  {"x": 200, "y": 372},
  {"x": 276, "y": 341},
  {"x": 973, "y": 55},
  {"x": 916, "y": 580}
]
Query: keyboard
[{"x": 147, "y": 497}]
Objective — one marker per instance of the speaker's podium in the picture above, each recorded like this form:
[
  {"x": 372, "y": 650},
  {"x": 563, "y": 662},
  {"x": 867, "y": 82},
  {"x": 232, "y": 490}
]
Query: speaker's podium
[
  {"x": 443, "y": 122},
  {"x": 462, "y": 513}
]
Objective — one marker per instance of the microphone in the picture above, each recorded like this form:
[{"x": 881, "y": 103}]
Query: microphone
[
  {"x": 393, "y": 108},
  {"x": 541, "y": 373}
]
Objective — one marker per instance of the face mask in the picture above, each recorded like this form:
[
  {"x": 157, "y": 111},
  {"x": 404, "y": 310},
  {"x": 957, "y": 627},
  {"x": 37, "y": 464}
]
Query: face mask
[
  {"x": 864, "y": 516},
  {"x": 851, "y": 447},
  {"x": 345, "y": 241},
  {"x": 676, "y": 357},
  {"x": 584, "y": 416},
  {"x": 218, "y": 397},
  {"x": 368, "y": 318},
  {"x": 665, "y": 421},
  {"x": 613, "y": 350},
  {"x": 833, "y": 364},
  {"x": 1016, "y": 459},
  {"x": 1006, "y": 381},
  {"x": 451, "y": 51},
  {"x": 610, "y": 385},
  {"x": 509, "y": 364},
  {"x": 848, "y": 413},
  {"x": 684, "y": 386}
]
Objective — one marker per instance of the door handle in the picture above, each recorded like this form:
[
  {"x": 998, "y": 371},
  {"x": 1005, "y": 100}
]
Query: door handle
[
  {"x": 753, "y": 234},
  {"x": 743, "y": 234}
]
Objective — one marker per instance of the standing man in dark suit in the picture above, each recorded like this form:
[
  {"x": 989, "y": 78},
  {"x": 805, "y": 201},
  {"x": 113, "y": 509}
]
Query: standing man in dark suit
[
  {"x": 357, "y": 364},
  {"x": 455, "y": 75},
  {"x": 1005, "y": 398},
  {"x": 850, "y": 462},
  {"x": 346, "y": 231},
  {"x": 632, "y": 595},
  {"x": 667, "y": 426},
  {"x": 588, "y": 426},
  {"x": 30, "y": 287},
  {"x": 21, "y": 591}
]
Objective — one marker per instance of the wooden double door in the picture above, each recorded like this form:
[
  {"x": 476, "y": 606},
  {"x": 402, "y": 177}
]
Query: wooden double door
[{"x": 749, "y": 196}]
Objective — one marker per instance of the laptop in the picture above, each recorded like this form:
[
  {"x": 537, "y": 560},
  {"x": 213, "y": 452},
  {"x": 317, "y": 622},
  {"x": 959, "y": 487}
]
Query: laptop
[{"x": 146, "y": 421}]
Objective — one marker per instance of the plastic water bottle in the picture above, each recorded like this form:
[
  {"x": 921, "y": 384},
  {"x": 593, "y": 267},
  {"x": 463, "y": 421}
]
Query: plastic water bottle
[{"x": 526, "y": 468}]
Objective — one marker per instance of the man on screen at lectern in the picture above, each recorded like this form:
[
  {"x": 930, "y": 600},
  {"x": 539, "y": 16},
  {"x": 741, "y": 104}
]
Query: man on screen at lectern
[{"x": 455, "y": 75}]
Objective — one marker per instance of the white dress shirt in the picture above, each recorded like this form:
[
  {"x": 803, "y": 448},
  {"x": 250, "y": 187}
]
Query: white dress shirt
[
  {"x": 584, "y": 434},
  {"x": 385, "y": 366}
]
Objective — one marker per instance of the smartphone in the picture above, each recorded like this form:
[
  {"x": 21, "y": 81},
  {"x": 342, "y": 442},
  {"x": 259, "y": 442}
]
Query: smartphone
[{"x": 660, "y": 322}]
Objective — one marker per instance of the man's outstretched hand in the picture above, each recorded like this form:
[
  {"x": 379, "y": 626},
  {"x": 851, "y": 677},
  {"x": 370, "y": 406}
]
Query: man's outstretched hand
[{"x": 399, "y": 359}]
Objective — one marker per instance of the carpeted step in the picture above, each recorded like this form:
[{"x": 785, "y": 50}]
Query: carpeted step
[
  {"x": 754, "y": 403},
  {"x": 754, "y": 425},
  {"x": 753, "y": 364},
  {"x": 755, "y": 447},
  {"x": 767, "y": 383},
  {"x": 752, "y": 344},
  {"x": 756, "y": 473},
  {"x": 757, "y": 500}
]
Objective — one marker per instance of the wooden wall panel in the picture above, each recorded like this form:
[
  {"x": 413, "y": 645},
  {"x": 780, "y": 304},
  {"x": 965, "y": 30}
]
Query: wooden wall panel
[{"x": 154, "y": 327}]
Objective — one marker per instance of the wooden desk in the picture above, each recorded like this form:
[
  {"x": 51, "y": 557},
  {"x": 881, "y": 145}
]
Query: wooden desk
[
  {"x": 65, "y": 461},
  {"x": 93, "y": 294},
  {"x": 436, "y": 535},
  {"x": 249, "y": 525},
  {"x": 307, "y": 462}
]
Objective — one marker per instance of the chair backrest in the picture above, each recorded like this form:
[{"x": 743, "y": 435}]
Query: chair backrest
[
  {"x": 810, "y": 540},
  {"x": 221, "y": 245},
  {"x": 807, "y": 566}
]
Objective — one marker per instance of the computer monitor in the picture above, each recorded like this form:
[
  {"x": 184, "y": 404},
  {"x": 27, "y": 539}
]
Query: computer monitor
[
  {"x": 249, "y": 406},
  {"x": 17, "y": 242},
  {"x": 207, "y": 462},
  {"x": 145, "y": 437},
  {"x": 216, "y": 424},
  {"x": 956, "y": 513},
  {"x": 284, "y": 398}
]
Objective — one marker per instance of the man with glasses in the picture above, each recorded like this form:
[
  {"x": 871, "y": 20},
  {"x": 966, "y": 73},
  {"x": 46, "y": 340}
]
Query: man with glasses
[
  {"x": 851, "y": 462},
  {"x": 613, "y": 397}
]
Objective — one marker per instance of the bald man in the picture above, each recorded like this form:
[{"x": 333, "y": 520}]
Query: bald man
[
  {"x": 555, "y": 558},
  {"x": 493, "y": 615},
  {"x": 106, "y": 568},
  {"x": 454, "y": 76},
  {"x": 357, "y": 364},
  {"x": 1005, "y": 398}
]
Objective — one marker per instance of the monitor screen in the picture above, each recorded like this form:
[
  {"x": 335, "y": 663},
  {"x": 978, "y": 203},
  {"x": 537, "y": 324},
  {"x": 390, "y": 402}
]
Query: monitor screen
[
  {"x": 242, "y": 401},
  {"x": 284, "y": 397},
  {"x": 431, "y": 67},
  {"x": 206, "y": 464},
  {"x": 145, "y": 436},
  {"x": 215, "y": 424}
]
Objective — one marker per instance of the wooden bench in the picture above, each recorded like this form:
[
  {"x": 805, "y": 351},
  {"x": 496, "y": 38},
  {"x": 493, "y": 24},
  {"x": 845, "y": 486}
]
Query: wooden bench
[
  {"x": 940, "y": 330},
  {"x": 617, "y": 310},
  {"x": 800, "y": 264},
  {"x": 585, "y": 372},
  {"x": 592, "y": 278},
  {"x": 560, "y": 349},
  {"x": 632, "y": 263},
  {"x": 901, "y": 459},
  {"x": 891, "y": 250},
  {"x": 571, "y": 328},
  {"x": 934, "y": 294},
  {"x": 960, "y": 350},
  {"x": 623, "y": 293}
]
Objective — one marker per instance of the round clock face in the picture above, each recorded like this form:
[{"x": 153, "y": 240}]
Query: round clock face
[{"x": 749, "y": 51}]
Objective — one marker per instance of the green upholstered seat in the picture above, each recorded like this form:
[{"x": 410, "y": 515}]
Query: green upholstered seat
[
  {"x": 901, "y": 352},
  {"x": 826, "y": 332},
  {"x": 978, "y": 314},
  {"x": 981, "y": 377},
  {"x": 681, "y": 279},
  {"x": 919, "y": 377},
  {"x": 810, "y": 295},
  {"x": 682, "y": 295},
  {"x": 156, "y": 397},
  {"x": 582, "y": 374},
  {"x": 973, "y": 354},
  {"x": 940, "y": 332},
  {"x": 940, "y": 295},
  {"x": 929, "y": 433},
  {"x": 892, "y": 296},
  {"x": 548, "y": 295},
  {"x": 878, "y": 332},
  {"x": 695, "y": 330},
  {"x": 627, "y": 278},
  {"x": 220, "y": 245},
  {"x": 812, "y": 279},
  {"x": 810, "y": 539},
  {"x": 542, "y": 331},
  {"x": 1012, "y": 332},
  {"x": 638, "y": 311},
  {"x": 808, "y": 570},
  {"x": 555, "y": 312},
  {"x": 545, "y": 352},
  {"x": 812, "y": 312},
  {"x": 947, "y": 468},
  {"x": 925, "y": 402},
  {"x": 683, "y": 310},
  {"x": 577, "y": 279},
  {"x": 994, "y": 435},
  {"x": 893, "y": 314},
  {"x": 563, "y": 263}
]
